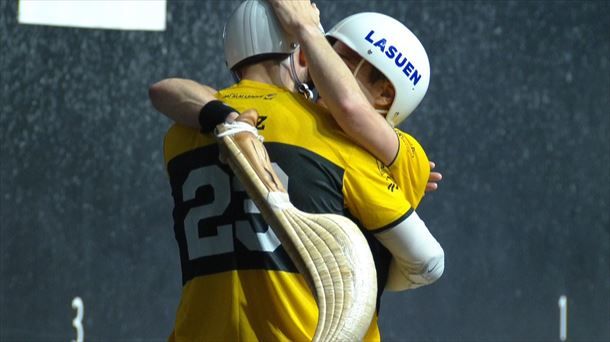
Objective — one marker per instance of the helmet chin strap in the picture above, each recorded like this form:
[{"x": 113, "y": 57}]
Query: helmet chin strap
[
  {"x": 383, "y": 112},
  {"x": 236, "y": 77},
  {"x": 360, "y": 64},
  {"x": 301, "y": 87}
]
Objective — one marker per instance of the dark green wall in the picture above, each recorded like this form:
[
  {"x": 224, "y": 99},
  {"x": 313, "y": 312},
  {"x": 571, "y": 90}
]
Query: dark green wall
[{"x": 516, "y": 117}]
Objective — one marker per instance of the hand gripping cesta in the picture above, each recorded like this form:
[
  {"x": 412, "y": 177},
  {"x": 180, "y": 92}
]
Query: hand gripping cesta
[{"x": 329, "y": 250}]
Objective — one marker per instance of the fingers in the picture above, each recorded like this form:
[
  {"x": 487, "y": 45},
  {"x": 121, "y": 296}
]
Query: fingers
[
  {"x": 295, "y": 16},
  {"x": 431, "y": 187},
  {"x": 435, "y": 176},
  {"x": 316, "y": 9},
  {"x": 249, "y": 116},
  {"x": 232, "y": 116},
  {"x": 433, "y": 179}
]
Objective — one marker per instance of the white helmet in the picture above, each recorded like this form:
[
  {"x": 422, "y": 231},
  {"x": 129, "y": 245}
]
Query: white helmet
[
  {"x": 253, "y": 30},
  {"x": 395, "y": 51}
]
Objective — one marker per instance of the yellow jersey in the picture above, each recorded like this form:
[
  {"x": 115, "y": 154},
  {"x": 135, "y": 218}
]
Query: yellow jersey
[{"x": 239, "y": 283}]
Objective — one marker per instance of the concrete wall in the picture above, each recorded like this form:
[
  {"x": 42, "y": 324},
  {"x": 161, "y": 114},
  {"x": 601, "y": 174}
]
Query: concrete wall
[{"x": 516, "y": 117}]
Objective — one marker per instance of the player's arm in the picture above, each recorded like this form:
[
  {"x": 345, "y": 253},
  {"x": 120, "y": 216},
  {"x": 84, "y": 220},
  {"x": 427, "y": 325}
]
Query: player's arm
[
  {"x": 417, "y": 258},
  {"x": 186, "y": 102},
  {"x": 335, "y": 82}
]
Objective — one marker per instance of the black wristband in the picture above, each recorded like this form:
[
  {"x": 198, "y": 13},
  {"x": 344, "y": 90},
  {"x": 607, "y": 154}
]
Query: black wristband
[{"x": 212, "y": 114}]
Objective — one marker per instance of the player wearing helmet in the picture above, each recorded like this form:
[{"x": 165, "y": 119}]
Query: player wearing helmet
[
  {"x": 377, "y": 54},
  {"x": 388, "y": 63},
  {"x": 238, "y": 282}
]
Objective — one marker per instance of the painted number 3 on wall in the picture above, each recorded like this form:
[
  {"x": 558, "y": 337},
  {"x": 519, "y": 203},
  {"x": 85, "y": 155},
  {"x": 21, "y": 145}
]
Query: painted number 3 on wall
[{"x": 222, "y": 241}]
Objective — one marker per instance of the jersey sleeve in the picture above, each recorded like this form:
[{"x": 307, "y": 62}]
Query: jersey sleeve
[
  {"x": 371, "y": 194},
  {"x": 411, "y": 168}
]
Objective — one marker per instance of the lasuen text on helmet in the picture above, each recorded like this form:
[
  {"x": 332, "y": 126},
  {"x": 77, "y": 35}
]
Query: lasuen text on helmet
[{"x": 399, "y": 58}]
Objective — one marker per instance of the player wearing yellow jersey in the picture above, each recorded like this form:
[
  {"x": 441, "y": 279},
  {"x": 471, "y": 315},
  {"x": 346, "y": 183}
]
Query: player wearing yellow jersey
[
  {"x": 378, "y": 55},
  {"x": 238, "y": 282},
  {"x": 368, "y": 54}
]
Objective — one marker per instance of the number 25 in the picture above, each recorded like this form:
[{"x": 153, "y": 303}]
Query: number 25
[{"x": 223, "y": 240}]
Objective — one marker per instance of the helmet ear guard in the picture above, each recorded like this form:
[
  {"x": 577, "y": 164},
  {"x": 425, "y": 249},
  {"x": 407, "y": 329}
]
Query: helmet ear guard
[{"x": 395, "y": 51}]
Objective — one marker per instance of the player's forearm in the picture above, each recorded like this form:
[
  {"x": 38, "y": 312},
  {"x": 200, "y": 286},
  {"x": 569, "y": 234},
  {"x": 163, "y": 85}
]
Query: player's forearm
[
  {"x": 417, "y": 258},
  {"x": 344, "y": 99},
  {"x": 332, "y": 77},
  {"x": 181, "y": 100}
]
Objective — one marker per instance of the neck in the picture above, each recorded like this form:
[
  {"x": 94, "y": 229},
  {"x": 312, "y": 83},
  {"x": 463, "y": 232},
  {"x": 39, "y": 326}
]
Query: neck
[{"x": 270, "y": 72}]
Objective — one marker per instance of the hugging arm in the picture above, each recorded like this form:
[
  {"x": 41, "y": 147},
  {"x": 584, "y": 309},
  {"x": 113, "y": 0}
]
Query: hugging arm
[
  {"x": 181, "y": 100},
  {"x": 335, "y": 82}
]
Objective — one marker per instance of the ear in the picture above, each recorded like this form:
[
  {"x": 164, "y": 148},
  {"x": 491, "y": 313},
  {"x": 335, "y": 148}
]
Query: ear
[{"x": 385, "y": 96}]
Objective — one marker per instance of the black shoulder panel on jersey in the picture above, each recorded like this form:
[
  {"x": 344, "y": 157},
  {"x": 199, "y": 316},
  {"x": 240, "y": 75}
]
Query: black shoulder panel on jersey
[{"x": 315, "y": 184}]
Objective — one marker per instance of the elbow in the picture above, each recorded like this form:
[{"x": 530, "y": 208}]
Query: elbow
[
  {"x": 407, "y": 275},
  {"x": 434, "y": 267},
  {"x": 158, "y": 92}
]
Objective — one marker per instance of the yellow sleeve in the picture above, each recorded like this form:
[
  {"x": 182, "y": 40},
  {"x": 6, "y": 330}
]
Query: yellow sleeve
[
  {"x": 411, "y": 168},
  {"x": 371, "y": 194}
]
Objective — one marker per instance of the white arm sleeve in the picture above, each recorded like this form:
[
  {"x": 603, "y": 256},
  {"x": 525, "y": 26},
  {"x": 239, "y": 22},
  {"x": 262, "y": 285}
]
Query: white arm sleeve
[{"x": 417, "y": 258}]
